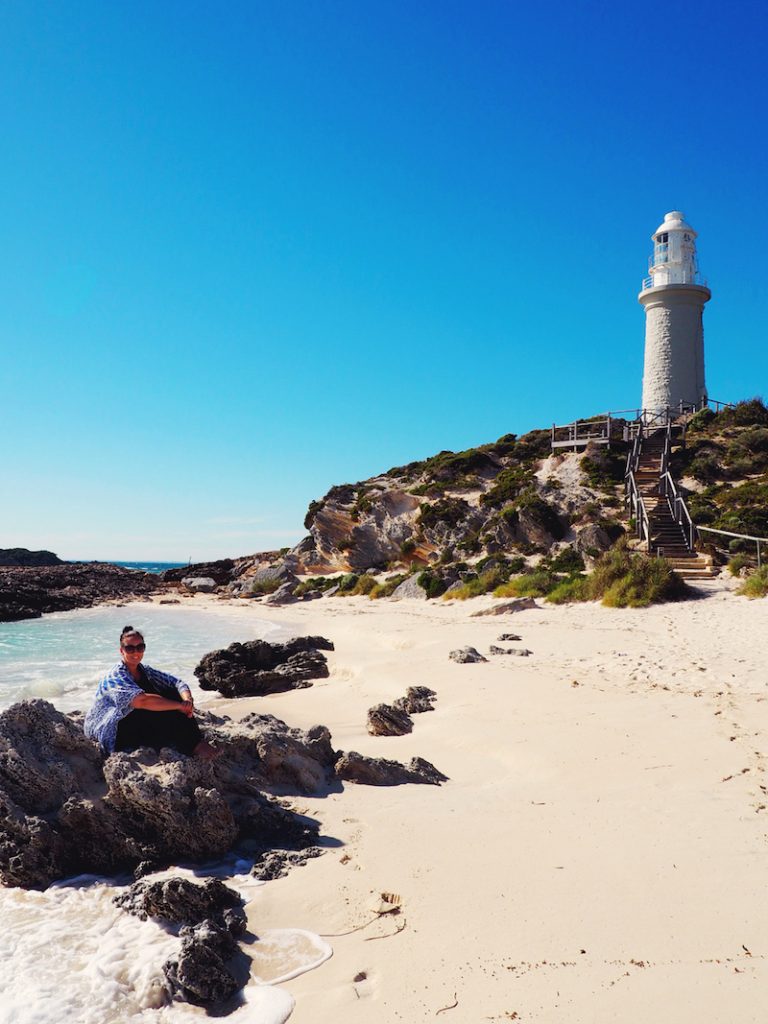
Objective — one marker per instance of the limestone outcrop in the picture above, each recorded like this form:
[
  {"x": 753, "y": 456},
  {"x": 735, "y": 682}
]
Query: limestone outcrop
[
  {"x": 395, "y": 719},
  {"x": 203, "y": 971},
  {"x": 65, "y": 811},
  {"x": 26, "y": 592},
  {"x": 378, "y": 771},
  {"x": 466, "y": 655},
  {"x": 258, "y": 667}
]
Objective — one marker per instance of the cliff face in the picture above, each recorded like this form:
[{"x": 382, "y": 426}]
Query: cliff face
[{"x": 508, "y": 496}]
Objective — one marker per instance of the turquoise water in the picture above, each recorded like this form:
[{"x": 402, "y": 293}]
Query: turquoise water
[
  {"x": 62, "y": 656},
  {"x": 151, "y": 566}
]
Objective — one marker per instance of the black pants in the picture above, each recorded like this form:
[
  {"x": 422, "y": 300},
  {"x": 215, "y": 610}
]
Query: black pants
[{"x": 142, "y": 728}]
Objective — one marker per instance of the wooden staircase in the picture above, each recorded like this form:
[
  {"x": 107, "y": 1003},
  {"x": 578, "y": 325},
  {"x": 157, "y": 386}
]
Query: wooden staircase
[{"x": 667, "y": 536}]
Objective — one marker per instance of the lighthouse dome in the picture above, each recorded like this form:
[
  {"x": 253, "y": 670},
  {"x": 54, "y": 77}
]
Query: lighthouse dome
[{"x": 674, "y": 221}]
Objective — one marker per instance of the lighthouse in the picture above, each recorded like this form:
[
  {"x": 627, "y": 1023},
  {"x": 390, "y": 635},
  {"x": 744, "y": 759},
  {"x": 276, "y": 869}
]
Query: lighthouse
[{"x": 673, "y": 297}]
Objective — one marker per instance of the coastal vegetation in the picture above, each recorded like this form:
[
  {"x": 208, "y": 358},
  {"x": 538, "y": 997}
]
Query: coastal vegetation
[{"x": 755, "y": 585}]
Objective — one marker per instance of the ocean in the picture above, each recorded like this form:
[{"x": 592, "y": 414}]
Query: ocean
[
  {"x": 68, "y": 953},
  {"x": 150, "y": 566}
]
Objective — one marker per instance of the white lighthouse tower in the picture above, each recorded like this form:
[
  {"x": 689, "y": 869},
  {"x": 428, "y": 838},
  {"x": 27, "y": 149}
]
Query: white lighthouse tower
[{"x": 674, "y": 297}]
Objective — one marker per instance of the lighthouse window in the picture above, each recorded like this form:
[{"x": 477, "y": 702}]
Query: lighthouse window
[
  {"x": 687, "y": 238},
  {"x": 664, "y": 237}
]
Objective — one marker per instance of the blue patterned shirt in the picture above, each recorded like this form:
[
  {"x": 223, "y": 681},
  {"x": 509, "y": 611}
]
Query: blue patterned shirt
[{"x": 114, "y": 700}]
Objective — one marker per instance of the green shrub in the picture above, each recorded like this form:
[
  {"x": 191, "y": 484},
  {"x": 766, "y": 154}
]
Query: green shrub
[
  {"x": 314, "y": 508},
  {"x": 471, "y": 543},
  {"x": 431, "y": 583},
  {"x": 347, "y": 582},
  {"x": 508, "y": 485},
  {"x": 744, "y": 508},
  {"x": 574, "y": 589},
  {"x": 701, "y": 420},
  {"x": 450, "y": 511},
  {"x": 755, "y": 585},
  {"x": 388, "y": 587},
  {"x": 568, "y": 560},
  {"x": 315, "y": 583},
  {"x": 533, "y": 584},
  {"x": 706, "y": 467},
  {"x": 485, "y": 583},
  {"x": 407, "y": 547},
  {"x": 542, "y": 513},
  {"x": 752, "y": 412},
  {"x": 362, "y": 585},
  {"x": 605, "y": 469},
  {"x": 737, "y": 563},
  {"x": 623, "y": 579}
]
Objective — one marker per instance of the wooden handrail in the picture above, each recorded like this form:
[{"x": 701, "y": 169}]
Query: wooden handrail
[
  {"x": 739, "y": 536},
  {"x": 669, "y": 489}
]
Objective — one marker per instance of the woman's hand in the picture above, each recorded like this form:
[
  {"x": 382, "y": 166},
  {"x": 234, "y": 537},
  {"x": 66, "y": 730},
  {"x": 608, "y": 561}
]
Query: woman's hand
[{"x": 154, "y": 702}]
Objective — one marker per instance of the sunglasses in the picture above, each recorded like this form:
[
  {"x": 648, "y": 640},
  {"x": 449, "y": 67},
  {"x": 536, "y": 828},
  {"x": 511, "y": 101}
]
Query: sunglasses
[{"x": 133, "y": 648}]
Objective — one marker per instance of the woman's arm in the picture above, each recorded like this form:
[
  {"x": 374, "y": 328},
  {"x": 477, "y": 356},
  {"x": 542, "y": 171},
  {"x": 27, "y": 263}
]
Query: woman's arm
[{"x": 154, "y": 702}]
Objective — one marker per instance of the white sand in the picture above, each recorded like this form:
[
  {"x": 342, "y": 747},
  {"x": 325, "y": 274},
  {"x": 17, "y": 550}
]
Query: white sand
[{"x": 599, "y": 853}]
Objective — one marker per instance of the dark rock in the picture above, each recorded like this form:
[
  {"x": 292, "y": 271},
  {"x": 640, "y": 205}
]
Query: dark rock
[
  {"x": 377, "y": 771},
  {"x": 199, "y": 973},
  {"x": 417, "y": 699},
  {"x": 63, "y": 811},
  {"x": 27, "y": 592},
  {"x": 520, "y": 604},
  {"x": 169, "y": 600},
  {"x": 179, "y": 900},
  {"x": 23, "y": 556},
  {"x": 509, "y": 636},
  {"x": 258, "y": 667},
  {"x": 278, "y": 756},
  {"x": 221, "y": 571},
  {"x": 386, "y": 720},
  {"x": 466, "y": 655},
  {"x": 521, "y": 652},
  {"x": 277, "y": 863}
]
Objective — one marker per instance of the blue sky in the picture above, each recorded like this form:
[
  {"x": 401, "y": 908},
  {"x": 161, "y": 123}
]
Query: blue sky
[{"x": 251, "y": 250}]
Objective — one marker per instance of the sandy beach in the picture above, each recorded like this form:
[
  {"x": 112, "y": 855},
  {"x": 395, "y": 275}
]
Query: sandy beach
[{"x": 599, "y": 851}]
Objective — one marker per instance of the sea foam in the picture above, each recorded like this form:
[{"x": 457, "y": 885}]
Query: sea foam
[{"x": 70, "y": 954}]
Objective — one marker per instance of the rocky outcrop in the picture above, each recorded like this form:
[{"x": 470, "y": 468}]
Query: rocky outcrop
[
  {"x": 386, "y": 720},
  {"x": 199, "y": 584},
  {"x": 182, "y": 901},
  {"x": 221, "y": 571},
  {"x": 23, "y": 556},
  {"x": 377, "y": 771},
  {"x": 519, "y": 604},
  {"x": 466, "y": 655},
  {"x": 27, "y": 592},
  {"x": 410, "y": 590},
  {"x": 213, "y": 918},
  {"x": 520, "y": 652},
  {"x": 65, "y": 811},
  {"x": 395, "y": 719},
  {"x": 417, "y": 699},
  {"x": 258, "y": 667}
]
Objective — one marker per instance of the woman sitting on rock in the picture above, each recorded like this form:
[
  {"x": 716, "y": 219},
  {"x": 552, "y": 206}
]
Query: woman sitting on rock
[{"x": 138, "y": 706}]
